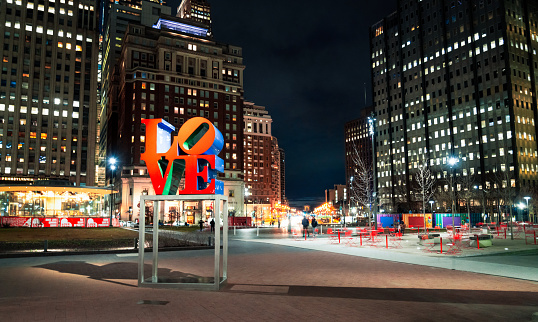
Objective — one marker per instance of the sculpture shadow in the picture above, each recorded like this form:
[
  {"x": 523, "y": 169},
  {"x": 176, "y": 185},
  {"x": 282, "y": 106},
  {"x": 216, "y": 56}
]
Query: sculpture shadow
[{"x": 120, "y": 271}]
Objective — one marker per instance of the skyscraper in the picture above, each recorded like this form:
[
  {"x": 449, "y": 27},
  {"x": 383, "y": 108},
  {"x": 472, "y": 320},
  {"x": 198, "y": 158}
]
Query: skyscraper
[
  {"x": 455, "y": 79},
  {"x": 118, "y": 16},
  {"x": 48, "y": 101}
]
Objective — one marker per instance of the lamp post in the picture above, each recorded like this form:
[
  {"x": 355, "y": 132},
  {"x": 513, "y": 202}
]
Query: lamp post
[
  {"x": 246, "y": 204},
  {"x": 112, "y": 162},
  {"x": 452, "y": 161},
  {"x": 528, "y": 211},
  {"x": 371, "y": 130}
]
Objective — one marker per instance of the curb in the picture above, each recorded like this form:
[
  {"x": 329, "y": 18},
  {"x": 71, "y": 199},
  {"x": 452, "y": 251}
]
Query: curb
[{"x": 96, "y": 252}]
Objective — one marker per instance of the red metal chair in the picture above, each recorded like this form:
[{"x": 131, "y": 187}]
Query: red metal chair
[
  {"x": 395, "y": 241},
  {"x": 454, "y": 246},
  {"x": 333, "y": 238},
  {"x": 349, "y": 240}
]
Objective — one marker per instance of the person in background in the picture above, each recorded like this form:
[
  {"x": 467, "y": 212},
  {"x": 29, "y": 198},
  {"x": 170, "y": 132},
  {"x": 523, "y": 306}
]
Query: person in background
[
  {"x": 402, "y": 228},
  {"x": 305, "y": 226},
  {"x": 314, "y": 225},
  {"x": 212, "y": 223},
  {"x": 201, "y": 223}
]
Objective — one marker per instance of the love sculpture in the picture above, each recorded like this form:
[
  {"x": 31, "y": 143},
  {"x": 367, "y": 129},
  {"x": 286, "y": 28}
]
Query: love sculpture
[{"x": 192, "y": 155}]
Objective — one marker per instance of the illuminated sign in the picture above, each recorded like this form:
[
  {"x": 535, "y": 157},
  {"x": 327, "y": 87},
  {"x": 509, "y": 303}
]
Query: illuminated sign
[
  {"x": 181, "y": 27},
  {"x": 191, "y": 155}
]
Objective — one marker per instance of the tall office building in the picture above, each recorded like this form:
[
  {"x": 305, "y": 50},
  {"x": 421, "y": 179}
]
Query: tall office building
[
  {"x": 455, "y": 79},
  {"x": 118, "y": 16},
  {"x": 174, "y": 70},
  {"x": 358, "y": 143},
  {"x": 48, "y": 101},
  {"x": 195, "y": 10},
  {"x": 261, "y": 175}
]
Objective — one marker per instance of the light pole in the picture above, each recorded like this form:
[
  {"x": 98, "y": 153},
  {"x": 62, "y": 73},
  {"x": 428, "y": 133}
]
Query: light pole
[
  {"x": 452, "y": 161},
  {"x": 528, "y": 212},
  {"x": 246, "y": 204},
  {"x": 371, "y": 130},
  {"x": 112, "y": 162}
]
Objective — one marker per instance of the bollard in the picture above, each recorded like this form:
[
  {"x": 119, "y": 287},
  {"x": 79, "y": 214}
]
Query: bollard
[
  {"x": 321, "y": 229},
  {"x": 386, "y": 241},
  {"x": 535, "y": 237},
  {"x": 361, "y": 238},
  {"x": 305, "y": 233},
  {"x": 441, "y": 241},
  {"x": 338, "y": 237},
  {"x": 234, "y": 230},
  {"x": 46, "y": 246},
  {"x": 505, "y": 233},
  {"x": 136, "y": 243},
  {"x": 477, "y": 242},
  {"x": 209, "y": 241},
  {"x": 257, "y": 230}
]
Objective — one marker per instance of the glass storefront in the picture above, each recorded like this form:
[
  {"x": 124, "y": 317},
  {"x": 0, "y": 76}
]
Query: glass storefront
[{"x": 47, "y": 201}]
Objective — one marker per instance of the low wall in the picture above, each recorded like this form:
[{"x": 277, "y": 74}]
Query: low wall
[{"x": 88, "y": 222}]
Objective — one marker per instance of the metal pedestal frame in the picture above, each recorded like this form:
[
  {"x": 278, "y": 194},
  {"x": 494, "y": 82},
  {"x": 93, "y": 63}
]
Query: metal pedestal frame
[{"x": 219, "y": 280}]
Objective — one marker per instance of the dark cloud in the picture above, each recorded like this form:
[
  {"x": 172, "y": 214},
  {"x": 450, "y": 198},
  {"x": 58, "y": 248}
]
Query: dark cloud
[{"x": 307, "y": 63}]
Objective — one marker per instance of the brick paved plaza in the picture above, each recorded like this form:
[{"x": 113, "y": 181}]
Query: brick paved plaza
[{"x": 274, "y": 279}]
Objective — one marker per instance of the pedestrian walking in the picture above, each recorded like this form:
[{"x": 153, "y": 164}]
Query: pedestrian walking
[
  {"x": 212, "y": 223},
  {"x": 305, "y": 226},
  {"x": 314, "y": 225},
  {"x": 201, "y": 223},
  {"x": 402, "y": 228}
]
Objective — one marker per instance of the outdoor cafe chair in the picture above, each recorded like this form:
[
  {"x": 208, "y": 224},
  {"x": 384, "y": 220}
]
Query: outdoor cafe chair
[
  {"x": 429, "y": 244},
  {"x": 349, "y": 240},
  {"x": 395, "y": 241},
  {"x": 454, "y": 245},
  {"x": 374, "y": 238},
  {"x": 333, "y": 237}
]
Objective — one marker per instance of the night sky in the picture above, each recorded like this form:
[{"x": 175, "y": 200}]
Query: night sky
[{"x": 307, "y": 62}]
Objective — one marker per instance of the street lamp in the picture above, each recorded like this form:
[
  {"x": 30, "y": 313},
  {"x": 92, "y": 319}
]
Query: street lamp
[
  {"x": 452, "y": 161},
  {"x": 112, "y": 163},
  {"x": 528, "y": 212},
  {"x": 246, "y": 204},
  {"x": 371, "y": 130}
]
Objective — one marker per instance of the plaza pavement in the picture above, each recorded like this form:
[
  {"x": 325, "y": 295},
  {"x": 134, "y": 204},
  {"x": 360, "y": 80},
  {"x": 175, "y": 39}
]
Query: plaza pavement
[{"x": 276, "y": 279}]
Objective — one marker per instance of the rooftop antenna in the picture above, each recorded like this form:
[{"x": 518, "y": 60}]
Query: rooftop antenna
[{"x": 364, "y": 94}]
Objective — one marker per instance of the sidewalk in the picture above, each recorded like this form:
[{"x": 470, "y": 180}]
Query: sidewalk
[{"x": 411, "y": 252}]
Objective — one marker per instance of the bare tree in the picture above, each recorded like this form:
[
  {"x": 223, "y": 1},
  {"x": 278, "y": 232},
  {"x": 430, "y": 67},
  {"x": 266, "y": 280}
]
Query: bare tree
[
  {"x": 361, "y": 186},
  {"x": 505, "y": 186},
  {"x": 467, "y": 193},
  {"x": 425, "y": 182}
]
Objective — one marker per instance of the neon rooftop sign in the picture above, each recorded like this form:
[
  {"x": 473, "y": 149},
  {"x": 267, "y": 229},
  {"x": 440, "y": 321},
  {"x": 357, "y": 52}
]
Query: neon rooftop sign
[{"x": 181, "y": 27}]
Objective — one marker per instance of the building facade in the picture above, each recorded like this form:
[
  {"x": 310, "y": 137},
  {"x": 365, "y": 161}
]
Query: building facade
[
  {"x": 174, "y": 70},
  {"x": 358, "y": 142},
  {"x": 115, "y": 21},
  {"x": 455, "y": 79},
  {"x": 48, "y": 101},
  {"x": 262, "y": 176}
]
